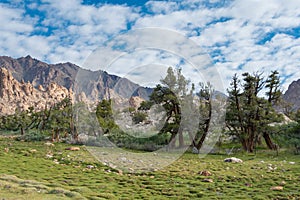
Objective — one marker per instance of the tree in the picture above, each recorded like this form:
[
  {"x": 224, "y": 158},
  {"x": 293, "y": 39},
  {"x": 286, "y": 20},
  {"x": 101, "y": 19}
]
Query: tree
[
  {"x": 273, "y": 95},
  {"x": 248, "y": 114},
  {"x": 104, "y": 115},
  {"x": 60, "y": 119},
  {"x": 138, "y": 117},
  {"x": 170, "y": 94},
  {"x": 205, "y": 108}
]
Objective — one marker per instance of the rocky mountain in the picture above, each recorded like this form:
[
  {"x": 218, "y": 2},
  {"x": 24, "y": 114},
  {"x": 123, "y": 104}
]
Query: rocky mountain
[
  {"x": 292, "y": 95},
  {"x": 94, "y": 84},
  {"x": 15, "y": 95}
]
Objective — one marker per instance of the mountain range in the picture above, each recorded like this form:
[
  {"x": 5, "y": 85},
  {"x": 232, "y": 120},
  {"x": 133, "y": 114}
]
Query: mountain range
[
  {"x": 69, "y": 78},
  {"x": 95, "y": 84}
]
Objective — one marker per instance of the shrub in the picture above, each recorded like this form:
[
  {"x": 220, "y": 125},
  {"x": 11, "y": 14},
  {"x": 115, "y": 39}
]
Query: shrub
[{"x": 139, "y": 117}]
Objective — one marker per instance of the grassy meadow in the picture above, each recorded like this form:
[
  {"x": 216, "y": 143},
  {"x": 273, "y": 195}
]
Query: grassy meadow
[{"x": 34, "y": 170}]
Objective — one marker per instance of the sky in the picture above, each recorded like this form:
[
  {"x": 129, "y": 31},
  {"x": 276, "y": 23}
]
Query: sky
[{"x": 235, "y": 36}]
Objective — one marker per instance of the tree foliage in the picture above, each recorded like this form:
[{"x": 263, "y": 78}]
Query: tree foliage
[{"x": 249, "y": 114}]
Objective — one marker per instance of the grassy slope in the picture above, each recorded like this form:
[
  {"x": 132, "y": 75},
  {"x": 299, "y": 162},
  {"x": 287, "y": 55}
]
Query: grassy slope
[{"x": 26, "y": 174}]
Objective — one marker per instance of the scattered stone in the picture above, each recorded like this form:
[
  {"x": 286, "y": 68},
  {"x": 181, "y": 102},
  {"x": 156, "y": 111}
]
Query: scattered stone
[
  {"x": 72, "y": 148},
  {"x": 123, "y": 159},
  {"x": 205, "y": 173},
  {"x": 120, "y": 172},
  {"x": 233, "y": 160},
  {"x": 49, "y": 144},
  {"x": 282, "y": 183},
  {"x": 152, "y": 177},
  {"x": 56, "y": 161},
  {"x": 248, "y": 184},
  {"x": 33, "y": 150},
  {"x": 90, "y": 167},
  {"x": 277, "y": 188},
  {"x": 49, "y": 156},
  {"x": 292, "y": 163},
  {"x": 208, "y": 180},
  {"x": 6, "y": 150}
]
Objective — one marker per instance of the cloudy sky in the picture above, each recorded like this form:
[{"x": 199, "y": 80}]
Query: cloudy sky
[{"x": 236, "y": 35}]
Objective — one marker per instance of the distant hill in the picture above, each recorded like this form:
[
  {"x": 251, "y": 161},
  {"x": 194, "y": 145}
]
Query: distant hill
[
  {"x": 292, "y": 95},
  {"x": 95, "y": 84}
]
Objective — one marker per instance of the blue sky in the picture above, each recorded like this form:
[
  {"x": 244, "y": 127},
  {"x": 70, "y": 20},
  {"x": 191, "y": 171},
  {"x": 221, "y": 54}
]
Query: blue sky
[{"x": 237, "y": 35}]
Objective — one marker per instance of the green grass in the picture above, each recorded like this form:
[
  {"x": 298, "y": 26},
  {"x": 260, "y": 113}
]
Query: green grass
[{"x": 26, "y": 173}]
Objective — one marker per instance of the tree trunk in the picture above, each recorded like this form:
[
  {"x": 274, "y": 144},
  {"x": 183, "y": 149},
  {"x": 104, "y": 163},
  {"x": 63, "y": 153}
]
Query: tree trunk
[
  {"x": 268, "y": 140},
  {"x": 200, "y": 143},
  {"x": 172, "y": 141},
  {"x": 22, "y": 131},
  {"x": 180, "y": 138},
  {"x": 192, "y": 138}
]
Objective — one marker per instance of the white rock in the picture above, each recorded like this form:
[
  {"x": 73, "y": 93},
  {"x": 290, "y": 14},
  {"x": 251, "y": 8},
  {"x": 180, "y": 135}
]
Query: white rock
[{"x": 233, "y": 160}]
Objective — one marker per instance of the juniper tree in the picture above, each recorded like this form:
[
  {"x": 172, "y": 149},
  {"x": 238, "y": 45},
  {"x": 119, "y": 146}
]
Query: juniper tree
[{"x": 248, "y": 114}]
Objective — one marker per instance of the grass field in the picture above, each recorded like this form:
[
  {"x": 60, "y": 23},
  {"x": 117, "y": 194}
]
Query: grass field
[{"x": 33, "y": 170}]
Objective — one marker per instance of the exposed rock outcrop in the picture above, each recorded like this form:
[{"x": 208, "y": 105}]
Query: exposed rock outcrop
[
  {"x": 95, "y": 84},
  {"x": 15, "y": 95},
  {"x": 292, "y": 95}
]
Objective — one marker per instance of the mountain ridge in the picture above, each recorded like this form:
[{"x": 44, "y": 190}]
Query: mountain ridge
[
  {"x": 292, "y": 95},
  {"x": 95, "y": 84}
]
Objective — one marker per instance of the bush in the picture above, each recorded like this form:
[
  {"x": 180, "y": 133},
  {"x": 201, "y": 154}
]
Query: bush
[
  {"x": 288, "y": 136},
  {"x": 139, "y": 117},
  {"x": 33, "y": 136}
]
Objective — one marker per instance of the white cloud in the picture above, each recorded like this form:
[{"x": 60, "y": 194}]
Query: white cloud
[{"x": 234, "y": 31}]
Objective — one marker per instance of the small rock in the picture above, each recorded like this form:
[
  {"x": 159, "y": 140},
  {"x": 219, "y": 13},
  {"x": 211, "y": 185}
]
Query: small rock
[
  {"x": 6, "y": 150},
  {"x": 276, "y": 188},
  {"x": 123, "y": 159},
  {"x": 90, "y": 167},
  {"x": 49, "y": 144},
  {"x": 205, "y": 173},
  {"x": 282, "y": 183},
  {"x": 120, "y": 172},
  {"x": 208, "y": 180},
  {"x": 49, "y": 156},
  {"x": 292, "y": 163},
  {"x": 33, "y": 150},
  {"x": 152, "y": 177},
  {"x": 55, "y": 161},
  {"x": 72, "y": 148},
  {"x": 233, "y": 160},
  {"x": 248, "y": 184}
]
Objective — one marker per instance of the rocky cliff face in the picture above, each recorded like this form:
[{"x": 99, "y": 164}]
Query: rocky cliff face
[
  {"x": 15, "y": 95},
  {"x": 292, "y": 95},
  {"x": 95, "y": 84}
]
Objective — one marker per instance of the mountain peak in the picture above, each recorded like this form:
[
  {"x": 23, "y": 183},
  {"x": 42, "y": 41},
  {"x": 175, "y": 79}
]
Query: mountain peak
[
  {"x": 292, "y": 94},
  {"x": 95, "y": 84}
]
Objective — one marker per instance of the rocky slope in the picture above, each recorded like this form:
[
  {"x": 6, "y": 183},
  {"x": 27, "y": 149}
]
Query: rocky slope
[
  {"x": 15, "y": 95},
  {"x": 292, "y": 95},
  {"x": 95, "y": 84}
]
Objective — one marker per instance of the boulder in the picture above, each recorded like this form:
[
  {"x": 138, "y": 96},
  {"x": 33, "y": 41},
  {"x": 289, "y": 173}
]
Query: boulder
[
  {"x": 277, "y": 188},
  {"x": 72, "y": 148},
  {"x": 208, "y": 180},
  {"x": 205, "y": 173},
  {"x": 233, "y": 160}
]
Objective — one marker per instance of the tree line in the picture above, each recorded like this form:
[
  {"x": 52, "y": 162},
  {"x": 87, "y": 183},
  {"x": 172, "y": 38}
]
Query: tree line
[{"x": 249, "y": 114}]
